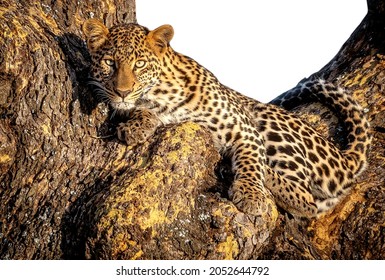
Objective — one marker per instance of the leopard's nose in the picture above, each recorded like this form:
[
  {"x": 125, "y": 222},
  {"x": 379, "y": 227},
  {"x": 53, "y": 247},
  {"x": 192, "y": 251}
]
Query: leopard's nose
[{"x": 123, "y": 93}]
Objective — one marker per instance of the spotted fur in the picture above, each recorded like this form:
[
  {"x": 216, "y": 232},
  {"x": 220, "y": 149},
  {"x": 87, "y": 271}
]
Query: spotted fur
[{"x": 272, "y": 150}]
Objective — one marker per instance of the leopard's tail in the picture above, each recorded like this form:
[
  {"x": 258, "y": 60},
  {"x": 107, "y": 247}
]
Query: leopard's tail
[{"x": 351, "y": 114}]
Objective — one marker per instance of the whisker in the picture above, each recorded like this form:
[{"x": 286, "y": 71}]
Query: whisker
[
  {"x": 101, "y": 91},
  {"x": 114, "y": 111}
]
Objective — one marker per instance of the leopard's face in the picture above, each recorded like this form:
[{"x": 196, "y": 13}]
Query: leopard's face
[{"x": 126, "y": 61}]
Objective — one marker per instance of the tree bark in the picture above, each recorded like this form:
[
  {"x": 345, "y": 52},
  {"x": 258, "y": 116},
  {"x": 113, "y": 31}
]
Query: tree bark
[
  {"x": 49, "y": 152},
  {"x": 70, "y": 190}
]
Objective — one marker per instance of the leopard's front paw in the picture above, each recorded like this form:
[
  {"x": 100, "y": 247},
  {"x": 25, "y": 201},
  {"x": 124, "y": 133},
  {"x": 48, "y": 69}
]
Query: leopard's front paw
[
  {"x": 134, "y": 132},
  {"x": 141, "y": 125}
]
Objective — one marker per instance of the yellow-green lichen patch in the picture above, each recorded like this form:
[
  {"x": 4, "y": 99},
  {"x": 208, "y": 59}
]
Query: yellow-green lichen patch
[
  {"x": 5, "y": 158},
  {"x": 187, "y": 132},
  {"x": 229, "y": 247},
  {"x": 223, "y": 215}
]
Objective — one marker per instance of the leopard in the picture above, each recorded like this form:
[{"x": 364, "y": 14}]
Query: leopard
[{"x": 273, "y": 151}]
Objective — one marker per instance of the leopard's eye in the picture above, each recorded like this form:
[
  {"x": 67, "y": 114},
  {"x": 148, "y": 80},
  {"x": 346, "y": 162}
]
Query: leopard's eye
[
  {"x": 109, "y": 62},
  {"x": 140, "y": 64}
]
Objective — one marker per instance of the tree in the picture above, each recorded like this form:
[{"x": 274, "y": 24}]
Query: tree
[{"x": 70, "y": 190}]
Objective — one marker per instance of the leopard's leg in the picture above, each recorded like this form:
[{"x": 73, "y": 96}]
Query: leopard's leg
[
  {"x": 248, "y": 192},
  {"x": 141, "y": 125},
  {"x": 293, "y": 196}
]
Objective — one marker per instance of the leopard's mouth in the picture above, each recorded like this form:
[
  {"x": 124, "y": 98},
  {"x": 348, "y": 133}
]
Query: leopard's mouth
[
  {"x": 124, "y": 102},
  {"x": 128, "y": 103},
  {"x": 134, "y": 99}
]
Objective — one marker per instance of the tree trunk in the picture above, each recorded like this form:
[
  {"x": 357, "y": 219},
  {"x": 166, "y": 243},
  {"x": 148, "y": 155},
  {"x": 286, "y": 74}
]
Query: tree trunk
[
  {"x": 49, "y": 151},
  {"x": 70, "y": 190}
]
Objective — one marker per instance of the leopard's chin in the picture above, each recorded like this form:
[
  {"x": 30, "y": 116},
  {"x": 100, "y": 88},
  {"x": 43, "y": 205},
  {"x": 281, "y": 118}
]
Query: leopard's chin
[{"x": 122, "y": 106}]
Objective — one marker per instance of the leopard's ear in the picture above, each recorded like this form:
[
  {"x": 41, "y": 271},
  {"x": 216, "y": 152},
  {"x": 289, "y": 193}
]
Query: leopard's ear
[
  {"x": 160, "y": 38},
  {"x": 96, "y": 34}
]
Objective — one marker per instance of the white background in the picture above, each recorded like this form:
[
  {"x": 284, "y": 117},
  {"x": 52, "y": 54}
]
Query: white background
[{"x": 259, "y": 48}]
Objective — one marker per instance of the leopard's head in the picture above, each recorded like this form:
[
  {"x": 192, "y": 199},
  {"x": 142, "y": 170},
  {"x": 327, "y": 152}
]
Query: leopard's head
[{"x": 126, "y": 60}]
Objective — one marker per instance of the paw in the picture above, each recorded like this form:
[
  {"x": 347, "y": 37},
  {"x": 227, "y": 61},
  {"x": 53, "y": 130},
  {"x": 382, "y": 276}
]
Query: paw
[
  {"x": 252, "y": 200},
  {"x": 255, "y": 207},
  {"x": 132, "y": 133},
  {"x": 141, "y": 125}
]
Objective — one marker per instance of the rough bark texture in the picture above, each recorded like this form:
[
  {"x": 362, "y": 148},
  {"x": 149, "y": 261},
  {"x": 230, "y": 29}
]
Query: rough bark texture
[
  {"x": 69, "y": 190},
  {"x": 49, "y": 153}
]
